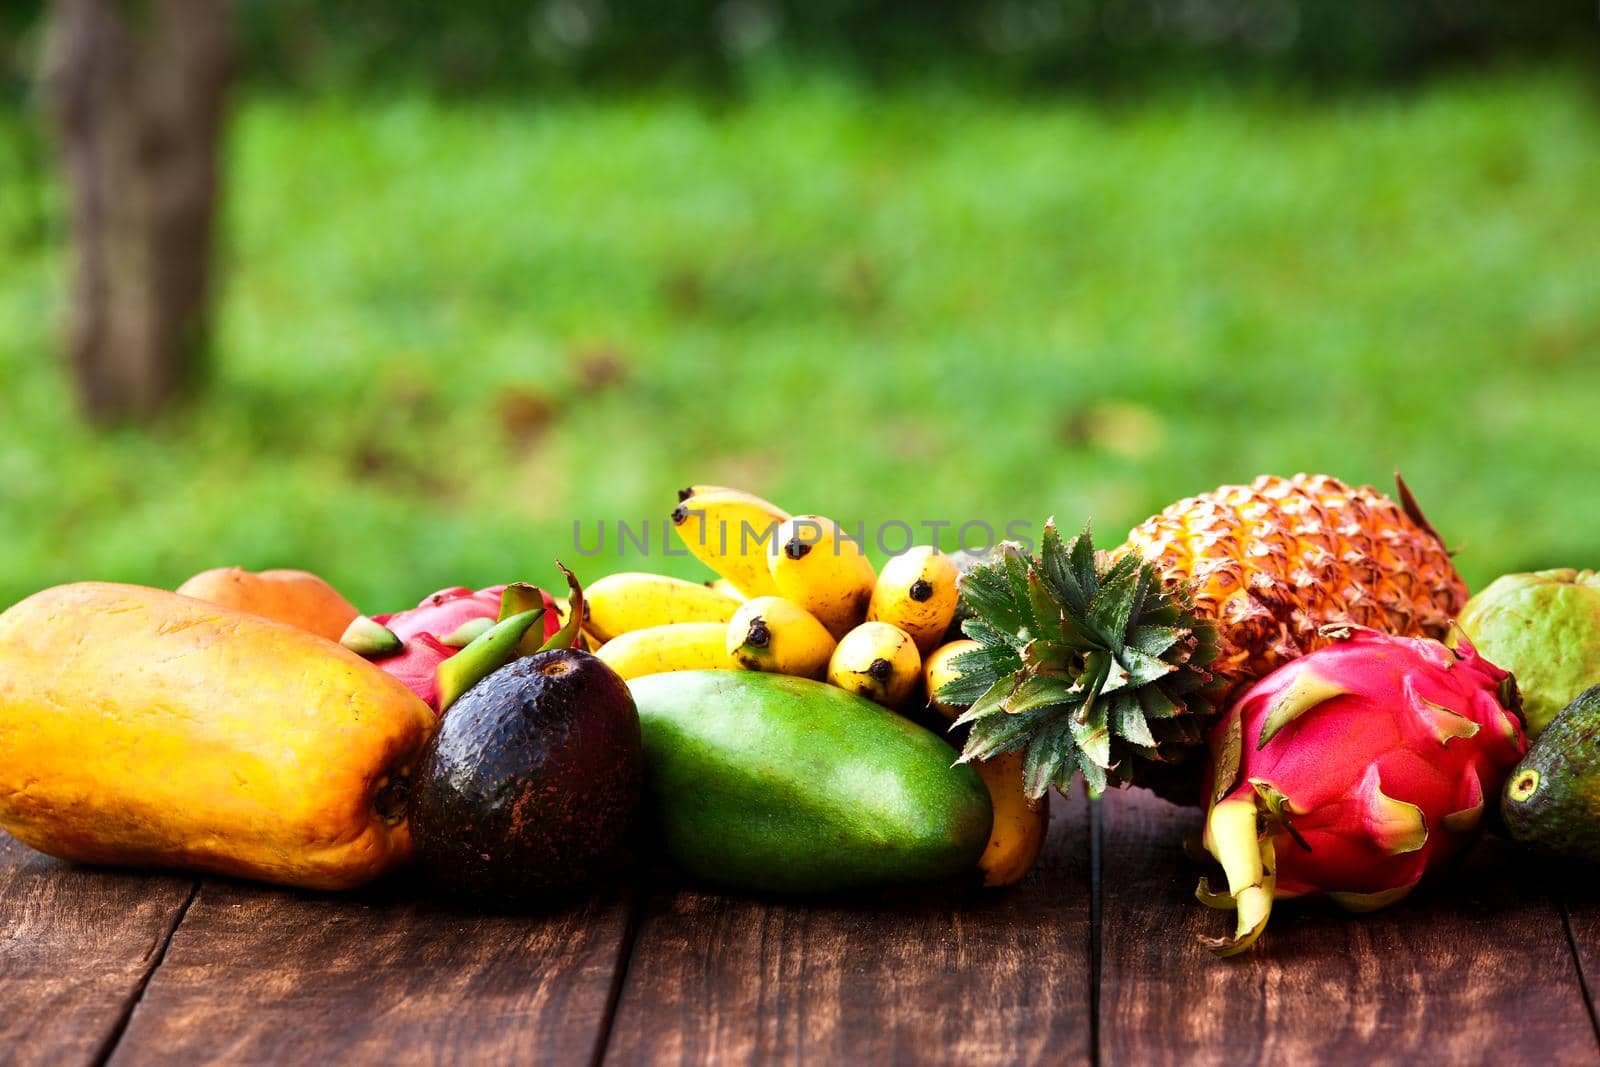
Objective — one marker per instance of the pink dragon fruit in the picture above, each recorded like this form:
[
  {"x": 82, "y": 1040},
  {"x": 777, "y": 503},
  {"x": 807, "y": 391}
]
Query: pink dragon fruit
[
  {"x": 445, "y": 612},
  {"x": 1353, "y": 770},
  {"x": 417, "y": 665},
  {"x": 411, "y": 645}
]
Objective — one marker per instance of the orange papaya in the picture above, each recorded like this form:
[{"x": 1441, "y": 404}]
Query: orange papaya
[
  {"x": 298, "y": 598},
  {"x": 143, "y": 728}
]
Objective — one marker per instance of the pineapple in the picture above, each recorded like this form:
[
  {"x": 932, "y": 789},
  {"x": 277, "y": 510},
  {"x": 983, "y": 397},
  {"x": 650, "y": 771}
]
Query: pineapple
[
  {"x": 1115, "y": 666},
  {"x": 1276, "y": 560}
]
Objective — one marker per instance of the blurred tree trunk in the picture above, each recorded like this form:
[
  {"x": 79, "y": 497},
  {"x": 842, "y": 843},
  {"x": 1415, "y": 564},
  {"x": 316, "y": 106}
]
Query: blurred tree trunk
[{"x": 137, "y": 91}]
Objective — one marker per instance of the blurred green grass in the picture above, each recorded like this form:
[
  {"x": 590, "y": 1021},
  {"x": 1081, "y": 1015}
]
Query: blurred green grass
[{"x": 448, "y": 330}]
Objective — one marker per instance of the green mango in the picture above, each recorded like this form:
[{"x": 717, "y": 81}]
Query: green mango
[
  {"x": 1552, "y": 799},
  {"x": 766, "y": 782}
]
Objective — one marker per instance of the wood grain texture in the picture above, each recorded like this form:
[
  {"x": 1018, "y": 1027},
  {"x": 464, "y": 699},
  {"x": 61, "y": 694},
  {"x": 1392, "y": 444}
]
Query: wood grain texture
[
  {"x": 933, "y": 976},
  {"x": 1481, "y": 969},
  {"x": 1475, "y": 969},
  {"x": 76, "y": 946},
  {"x": 258, "y": 975},
  {"x": 1579, "y": 886}
]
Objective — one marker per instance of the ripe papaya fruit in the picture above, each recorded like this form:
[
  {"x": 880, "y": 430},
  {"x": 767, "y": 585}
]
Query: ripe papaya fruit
[
  {"x": 298, "y": 598},
  {"x": 143, "y": 728}
]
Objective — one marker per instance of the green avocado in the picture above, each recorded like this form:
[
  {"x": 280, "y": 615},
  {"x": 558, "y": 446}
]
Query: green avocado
[
  {"x": 766, "y": 782},
  {"x": 1552, "y": 799}
]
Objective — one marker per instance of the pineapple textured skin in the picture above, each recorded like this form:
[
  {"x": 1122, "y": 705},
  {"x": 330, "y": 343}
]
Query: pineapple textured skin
[{"x": 1274, "y": 561}]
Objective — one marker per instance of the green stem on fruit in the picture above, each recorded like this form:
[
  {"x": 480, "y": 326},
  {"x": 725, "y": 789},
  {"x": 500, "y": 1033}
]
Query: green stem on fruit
[
  {"x": 486, "y": 654},
  {"x": 567, "y": 636}
]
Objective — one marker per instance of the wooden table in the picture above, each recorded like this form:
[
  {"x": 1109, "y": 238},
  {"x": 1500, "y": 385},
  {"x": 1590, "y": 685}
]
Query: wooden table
[{"x": 1092, "y": 960}]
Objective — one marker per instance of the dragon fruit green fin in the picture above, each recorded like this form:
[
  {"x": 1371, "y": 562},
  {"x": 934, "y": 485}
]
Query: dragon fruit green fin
[
  {"x": 1393, "y": 825},
  {"x": 1306, "y": 691},
  {"x": 485, "y": 655},
  {"x": 369, "y": 638},
  {"x": 466, "y": 633},
  {"x": 1234, "y": 839}
]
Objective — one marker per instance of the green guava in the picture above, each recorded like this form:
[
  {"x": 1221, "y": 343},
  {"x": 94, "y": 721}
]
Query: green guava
[{"x": 1544, "y": 628}]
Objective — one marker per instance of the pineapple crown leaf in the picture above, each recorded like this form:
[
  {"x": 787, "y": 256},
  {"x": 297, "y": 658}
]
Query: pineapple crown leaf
[{"x": 1084, "y": 664}]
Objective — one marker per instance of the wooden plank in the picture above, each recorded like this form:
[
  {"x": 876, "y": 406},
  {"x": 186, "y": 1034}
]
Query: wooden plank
[
  {"x": 76, "y": 946},
  {"x": 259, "y": 975},
  {"x": 1581, "y": 909},
  {"x": 947, "y": 976},
  {"x": 1476, "y": 969}
]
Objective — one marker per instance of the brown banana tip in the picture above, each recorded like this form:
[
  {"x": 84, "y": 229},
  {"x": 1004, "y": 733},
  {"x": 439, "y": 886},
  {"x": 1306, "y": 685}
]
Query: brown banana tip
[
  {"x": 880, "y": 669},
  {"x": 679, "y": 514},
  {"x": 921, "y": 590},
  {"x": 758, "y": 635},
  {"x": 796, "y": 548}
]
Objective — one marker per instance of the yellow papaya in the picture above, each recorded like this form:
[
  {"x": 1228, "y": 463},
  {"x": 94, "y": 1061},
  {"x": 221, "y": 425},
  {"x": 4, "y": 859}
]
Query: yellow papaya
[
  {"x": 298, "y": 598},
  {"x": 143, "y": 728}
]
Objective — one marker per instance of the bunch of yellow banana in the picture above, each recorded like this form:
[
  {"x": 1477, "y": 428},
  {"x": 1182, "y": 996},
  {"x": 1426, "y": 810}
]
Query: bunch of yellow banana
[{"x": 808, "y": 600}]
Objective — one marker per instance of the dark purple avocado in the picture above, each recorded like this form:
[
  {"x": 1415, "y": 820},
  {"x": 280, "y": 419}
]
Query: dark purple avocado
[{"x": 531, "y": 781}]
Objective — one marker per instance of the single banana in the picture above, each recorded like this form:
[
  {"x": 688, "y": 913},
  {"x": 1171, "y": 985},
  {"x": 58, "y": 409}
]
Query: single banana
[
  {"x": 818, "y": 566},
  {"x": 769, "y": 633},
  {"x": 729, "y": 531},
  {"x": 937, "y": 670},
  {"x": 679, "y": 646},
  {"x": 1020, "y": 824},
  {"x": 619, "y": 603},
  {"x": 917, "y": 592},
  {"x": 727, "y": 588},
  {"x": 877, "y": 661}
]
